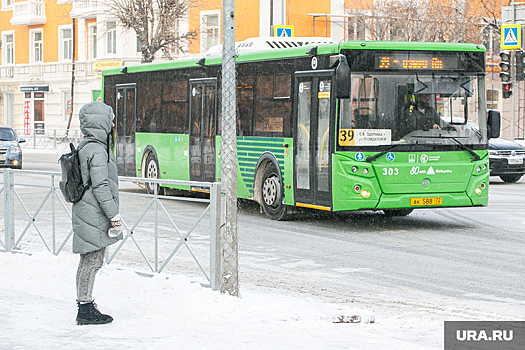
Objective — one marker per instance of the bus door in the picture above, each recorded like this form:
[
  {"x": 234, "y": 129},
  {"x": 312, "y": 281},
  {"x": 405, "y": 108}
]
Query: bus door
[
  {"x": 125, "y": 122},
  {"x": 314, "y": 106},
  {"x": 203, "y": 126}
]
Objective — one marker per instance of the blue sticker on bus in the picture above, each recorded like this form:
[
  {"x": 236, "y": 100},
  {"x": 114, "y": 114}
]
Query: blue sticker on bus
[
  {"x": 390, "y": 156},
  {"x": 359, "y": 156}
]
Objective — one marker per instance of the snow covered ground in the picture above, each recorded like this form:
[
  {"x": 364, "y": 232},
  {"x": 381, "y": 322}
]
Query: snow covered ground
[{"x": 38, "y": 310}]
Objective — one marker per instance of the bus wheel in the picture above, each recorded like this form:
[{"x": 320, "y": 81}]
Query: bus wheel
[
  {"x": 397, "y": 212},
  {"x": 152, "y": 172},
  {"x": 272, "y": 194}
]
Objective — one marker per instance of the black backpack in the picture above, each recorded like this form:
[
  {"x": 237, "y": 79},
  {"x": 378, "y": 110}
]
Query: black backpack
[{"x": 72, "y": 186}]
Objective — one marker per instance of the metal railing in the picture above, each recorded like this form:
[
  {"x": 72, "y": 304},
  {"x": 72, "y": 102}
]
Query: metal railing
[
  {"x": 48, "y": 138},
  {"x": 156, "y": 227}
]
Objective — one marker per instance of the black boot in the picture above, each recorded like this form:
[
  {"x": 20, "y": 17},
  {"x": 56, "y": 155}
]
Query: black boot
[{"x": 88, "y": 314}]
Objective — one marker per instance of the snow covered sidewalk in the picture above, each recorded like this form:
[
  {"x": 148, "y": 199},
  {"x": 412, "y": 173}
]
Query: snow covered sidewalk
[{"x": 38, "y": 310}]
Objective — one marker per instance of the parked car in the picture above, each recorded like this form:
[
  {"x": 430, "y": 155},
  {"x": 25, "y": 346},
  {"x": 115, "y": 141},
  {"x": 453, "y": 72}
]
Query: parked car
[
  {"x": 506, "y": 159},
  {"x": 10, "y": 151}
]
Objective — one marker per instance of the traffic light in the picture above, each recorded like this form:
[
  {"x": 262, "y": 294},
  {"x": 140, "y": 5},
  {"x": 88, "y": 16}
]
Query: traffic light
[
  {"x": 505, "y": 65},
  {"x": 520, "y": 74},
  {"x": 506, "y": 89}
]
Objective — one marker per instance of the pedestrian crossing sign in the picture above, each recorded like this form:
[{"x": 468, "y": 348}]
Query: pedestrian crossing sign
[
  {"x": 511, "y": 36},
  {"x": 283, "y": 31}
]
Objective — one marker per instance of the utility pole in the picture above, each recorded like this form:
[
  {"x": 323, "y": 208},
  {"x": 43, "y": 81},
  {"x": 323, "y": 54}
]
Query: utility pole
[
  {"x": 72, "y": 77},
  {"x": 229, "y": 269}
]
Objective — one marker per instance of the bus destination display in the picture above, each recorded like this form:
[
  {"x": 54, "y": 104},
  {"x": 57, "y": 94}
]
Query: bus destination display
[{"x": 416, "y": 61}]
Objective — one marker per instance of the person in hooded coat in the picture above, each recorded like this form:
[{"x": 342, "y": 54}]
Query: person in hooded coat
[{"x": 98, "y": 210}]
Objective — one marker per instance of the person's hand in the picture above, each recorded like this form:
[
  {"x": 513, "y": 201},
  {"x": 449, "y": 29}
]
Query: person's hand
[
  {"x": 116, "y": 226},
  {"x": 436, "y": 126}
]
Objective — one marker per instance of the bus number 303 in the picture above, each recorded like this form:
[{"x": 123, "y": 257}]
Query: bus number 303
[{"x": 390, "y": 171}]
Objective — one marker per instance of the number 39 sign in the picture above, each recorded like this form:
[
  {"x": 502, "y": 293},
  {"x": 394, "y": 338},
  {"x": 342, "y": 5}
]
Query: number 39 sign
[{"x": 346, "y": 137}]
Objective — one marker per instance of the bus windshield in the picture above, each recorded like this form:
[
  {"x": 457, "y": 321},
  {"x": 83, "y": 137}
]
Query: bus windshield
[{"x": 418, "y": 108}]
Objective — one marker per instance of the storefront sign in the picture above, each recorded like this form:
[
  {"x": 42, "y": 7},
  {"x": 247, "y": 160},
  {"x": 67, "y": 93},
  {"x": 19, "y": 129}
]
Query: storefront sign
[
  {"x": 34, "y": 88},
  {"x": 98, "y": 67}
]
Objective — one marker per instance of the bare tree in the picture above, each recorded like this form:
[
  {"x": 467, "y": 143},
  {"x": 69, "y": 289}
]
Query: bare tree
[
  {"x": 426, "y": 20},
  {"x": 156, "y": 23}
]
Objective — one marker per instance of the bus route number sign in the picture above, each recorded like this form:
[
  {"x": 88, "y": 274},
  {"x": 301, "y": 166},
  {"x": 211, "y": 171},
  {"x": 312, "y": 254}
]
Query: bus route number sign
[{"x": 346, "y": 137}]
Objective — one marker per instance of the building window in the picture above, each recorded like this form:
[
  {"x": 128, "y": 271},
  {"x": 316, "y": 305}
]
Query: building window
[
  {"x": 7, "y": 4},
  {"x": 37, "y": 47},
  {"x": 92, "y": 42},
  {"x": 111, "y": 38},
  {"x": 9, "y": 49},
  {"x": 66, "y": 43},
  {"x": 210, "y": 32},
  {"x": 139, "y": 45}
]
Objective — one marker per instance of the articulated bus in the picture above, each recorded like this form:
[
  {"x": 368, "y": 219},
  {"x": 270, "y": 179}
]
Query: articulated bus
[{"x": 328, "y": 126}]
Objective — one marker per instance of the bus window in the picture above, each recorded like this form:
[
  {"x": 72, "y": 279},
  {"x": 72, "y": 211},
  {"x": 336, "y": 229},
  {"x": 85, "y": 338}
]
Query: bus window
[
  {"x": 364, "y": 100},
  {"x": 174, "y": 107},
  {"x": 245, "y": 105},
  {"x": 282, "y": 86},
  {"x": 151, "y": 108},
  {"x": 273, "y": 109},
  {"x": 345, "y": 114}
]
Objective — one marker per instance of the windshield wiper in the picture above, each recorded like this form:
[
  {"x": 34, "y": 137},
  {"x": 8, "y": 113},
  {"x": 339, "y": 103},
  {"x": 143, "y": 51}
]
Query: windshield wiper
[
  {"x": 375, "y": 156},
  {"x": 474, "y": 154}
]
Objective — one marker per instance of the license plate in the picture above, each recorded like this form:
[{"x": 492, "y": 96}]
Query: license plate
[
  {"x": 426, "y": 201},
  {"x": 516, "y": 160}
]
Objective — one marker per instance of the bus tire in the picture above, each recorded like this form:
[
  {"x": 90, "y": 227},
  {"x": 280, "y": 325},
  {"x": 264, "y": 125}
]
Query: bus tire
[
  {"x": 151, "y": 171},
  {"x": 397, "y": 212},
  {"x": 272, "y": 194}
]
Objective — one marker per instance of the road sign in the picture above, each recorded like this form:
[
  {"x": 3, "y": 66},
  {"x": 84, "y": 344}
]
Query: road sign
[
  {"x": 283, "y": 31},
  {"x": 511, "y": 36}
]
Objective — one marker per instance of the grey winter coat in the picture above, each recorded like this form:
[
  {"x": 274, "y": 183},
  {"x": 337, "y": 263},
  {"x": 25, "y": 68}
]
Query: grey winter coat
[{"x": 92, "y": 214}]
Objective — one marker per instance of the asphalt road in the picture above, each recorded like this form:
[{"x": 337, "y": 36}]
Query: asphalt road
[{"x": 445, "y": 260}]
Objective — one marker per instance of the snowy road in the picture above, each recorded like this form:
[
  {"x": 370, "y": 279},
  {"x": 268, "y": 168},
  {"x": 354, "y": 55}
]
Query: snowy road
[{"x": 434, "y": 265}]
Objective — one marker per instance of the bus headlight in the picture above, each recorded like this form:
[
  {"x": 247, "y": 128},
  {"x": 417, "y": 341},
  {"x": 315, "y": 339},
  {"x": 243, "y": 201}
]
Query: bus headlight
[
  {"x": 365, "y": 171},
  {"x": 365, "y": 193},
  {"x": 357, "y": 188},
  {"x": 354, "y": 169},
  {"x": 478, "y": 190}
]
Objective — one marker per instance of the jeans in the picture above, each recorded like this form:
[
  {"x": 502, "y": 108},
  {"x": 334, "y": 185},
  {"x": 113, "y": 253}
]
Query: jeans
[{"x": 88, "y": 266}]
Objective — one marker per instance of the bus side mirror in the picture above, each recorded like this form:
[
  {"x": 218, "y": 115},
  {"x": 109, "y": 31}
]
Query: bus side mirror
[
  {"x": 493, "y": 124},
  {"x": 342, "y": 78}
]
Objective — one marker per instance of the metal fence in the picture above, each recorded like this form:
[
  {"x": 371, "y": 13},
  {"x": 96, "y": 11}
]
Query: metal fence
[
  {"x": 158, "y": 228},
  {"x": 48, "y": 138}
]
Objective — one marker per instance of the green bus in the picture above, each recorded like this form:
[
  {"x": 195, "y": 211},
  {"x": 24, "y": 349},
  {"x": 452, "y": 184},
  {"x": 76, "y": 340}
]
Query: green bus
[{"x": 328, "y": 126}]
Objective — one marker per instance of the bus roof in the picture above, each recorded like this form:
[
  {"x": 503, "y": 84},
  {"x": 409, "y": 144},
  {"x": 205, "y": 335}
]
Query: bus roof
[{"x": 296, "y": 50}]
